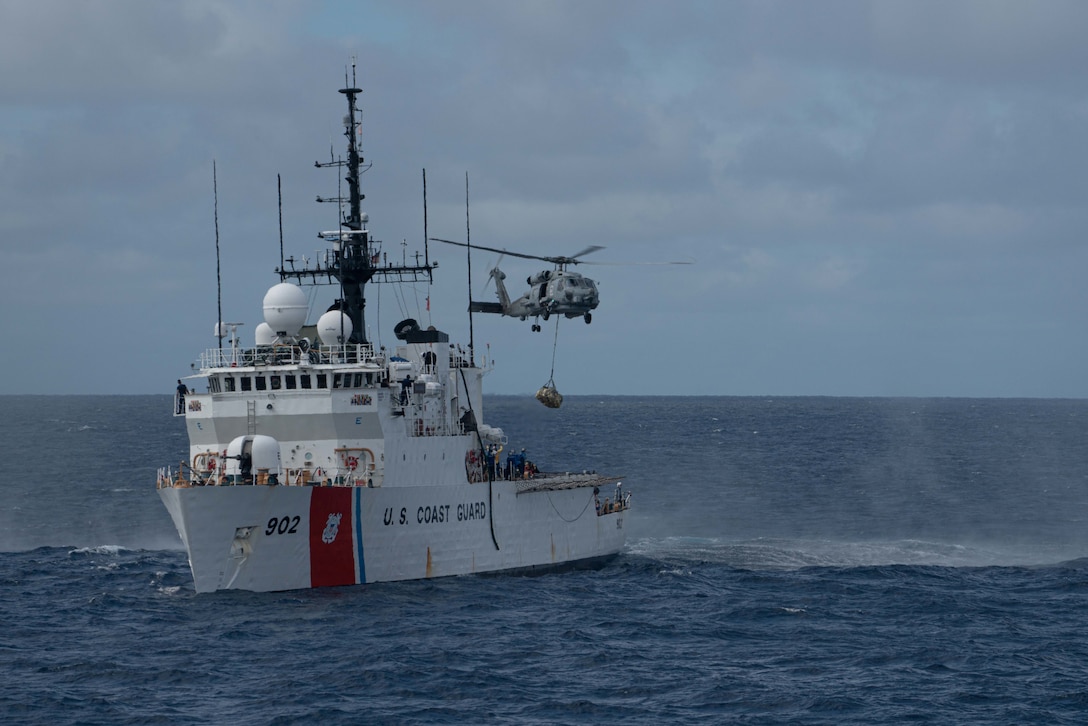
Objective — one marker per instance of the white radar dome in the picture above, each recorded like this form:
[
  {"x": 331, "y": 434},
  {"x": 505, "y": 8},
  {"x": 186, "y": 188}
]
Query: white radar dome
[
  {"x": 264, "y": 334},
  {"x": 329, "y": 327},
  {"x": 285, "y": 309}
]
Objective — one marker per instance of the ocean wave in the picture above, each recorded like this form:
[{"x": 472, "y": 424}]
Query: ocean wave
[
  {"x": 100, "y": 550},
  {"x": 795, "y": 554}
]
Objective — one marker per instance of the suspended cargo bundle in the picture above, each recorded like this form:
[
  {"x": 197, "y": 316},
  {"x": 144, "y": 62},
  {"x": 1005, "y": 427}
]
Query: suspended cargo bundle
[{"x": 549, "y": 396}]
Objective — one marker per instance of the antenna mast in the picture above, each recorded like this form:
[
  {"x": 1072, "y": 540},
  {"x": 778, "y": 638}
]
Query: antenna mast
[{"x": 356, "y": 256}]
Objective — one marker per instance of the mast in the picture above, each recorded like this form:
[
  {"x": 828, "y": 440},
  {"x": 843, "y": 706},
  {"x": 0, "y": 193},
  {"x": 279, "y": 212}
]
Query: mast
[
  {"x": 356, "y": 257},
  {"x": 355, "y": 266}
]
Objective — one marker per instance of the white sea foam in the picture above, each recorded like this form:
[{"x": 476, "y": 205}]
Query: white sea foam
[
  {"x": 99, "y": 550},
  {"x": 794, "y": 554}
]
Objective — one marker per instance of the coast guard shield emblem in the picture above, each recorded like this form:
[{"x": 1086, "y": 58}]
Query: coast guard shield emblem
[
  {"x": 332, "y": 549},
  {"x": 331, "y": 527}
]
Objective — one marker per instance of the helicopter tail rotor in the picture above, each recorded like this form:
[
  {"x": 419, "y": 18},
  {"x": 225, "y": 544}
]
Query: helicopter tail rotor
[{"x": 491, "y": 272}]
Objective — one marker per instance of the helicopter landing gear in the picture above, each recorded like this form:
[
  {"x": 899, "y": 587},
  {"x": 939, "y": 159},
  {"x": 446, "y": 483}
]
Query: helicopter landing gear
[
  {"x": 545, "y": 315},
  {"x": 535, "y": 328},
  {"x": 589, "y": 318}
]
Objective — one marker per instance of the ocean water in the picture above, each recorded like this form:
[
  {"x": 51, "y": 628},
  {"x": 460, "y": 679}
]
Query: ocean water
[{"x": 789, "y": 560}]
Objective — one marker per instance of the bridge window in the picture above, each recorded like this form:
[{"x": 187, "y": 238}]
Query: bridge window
[
  {"x": 322, "y": 380},
  {"x": 228, "y": 384},
  {"x": 262, "y": 384},
  {"x": 275, "y": 380},
  {"x": 305, "y": 378},
  {"x": 289, "y": 382},
  {"x": 358, "y": 380}
]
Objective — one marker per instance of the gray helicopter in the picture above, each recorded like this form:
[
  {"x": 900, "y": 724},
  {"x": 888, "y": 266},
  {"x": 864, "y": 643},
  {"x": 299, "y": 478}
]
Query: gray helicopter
[{"x": 551, "y": 292}]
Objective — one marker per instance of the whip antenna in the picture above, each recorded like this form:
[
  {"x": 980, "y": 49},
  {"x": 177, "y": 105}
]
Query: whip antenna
[
  {"x": 218, "y": 279},
  {"x": 468, "y": 244},
  {"x": 279, "y": 197},
  {"x": 426, "y": 248}
]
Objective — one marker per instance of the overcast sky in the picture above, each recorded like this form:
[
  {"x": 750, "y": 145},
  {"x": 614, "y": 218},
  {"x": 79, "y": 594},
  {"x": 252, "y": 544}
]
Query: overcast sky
[{"x": 883, "y": 198}]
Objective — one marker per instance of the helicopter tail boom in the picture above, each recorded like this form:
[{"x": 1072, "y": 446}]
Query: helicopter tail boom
[{"x": 475, "y": 306}]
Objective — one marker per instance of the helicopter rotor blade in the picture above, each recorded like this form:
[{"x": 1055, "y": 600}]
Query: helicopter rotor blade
[
  {"x": 588, "y": 250},
  {"x": 554, "y": 259},
  {"x": 493, "y": 249},
  {"x": 630, "y": 264}
]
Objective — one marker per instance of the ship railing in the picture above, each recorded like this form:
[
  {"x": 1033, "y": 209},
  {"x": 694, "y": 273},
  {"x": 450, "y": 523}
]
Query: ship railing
[
  {"x": 620, "y": 502},
  {"x": 208, "y": 469},
  {"x": 185, "y": 476},
  {"x": 409, "y": 403},
  {"x": 269, "y": 355},
  {"x": 460, "y": 358},
  {"x": 342, "y": 477},
  {"x": 420, "y": 427}
]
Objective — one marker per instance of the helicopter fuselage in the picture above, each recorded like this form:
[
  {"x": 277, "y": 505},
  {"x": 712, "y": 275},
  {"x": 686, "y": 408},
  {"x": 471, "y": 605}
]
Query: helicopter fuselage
[{"x": 551, "y": 292}]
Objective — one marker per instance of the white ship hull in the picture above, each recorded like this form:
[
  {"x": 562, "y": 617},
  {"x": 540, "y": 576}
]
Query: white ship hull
[{"x": 267, "y": 538}]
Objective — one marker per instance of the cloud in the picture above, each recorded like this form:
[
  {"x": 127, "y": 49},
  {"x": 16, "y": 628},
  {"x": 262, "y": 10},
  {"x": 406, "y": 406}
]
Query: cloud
[{"x": 906, "y": 174}]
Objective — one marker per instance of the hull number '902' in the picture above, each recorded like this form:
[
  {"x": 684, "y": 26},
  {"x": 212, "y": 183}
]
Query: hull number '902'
[{"x": 282, "y": 525}]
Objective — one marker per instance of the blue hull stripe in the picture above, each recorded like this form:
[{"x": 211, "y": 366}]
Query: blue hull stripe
[{"x": 360, "y": 563}]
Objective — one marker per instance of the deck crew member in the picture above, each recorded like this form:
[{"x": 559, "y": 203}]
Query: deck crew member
[{"x": 183, "y": 391}]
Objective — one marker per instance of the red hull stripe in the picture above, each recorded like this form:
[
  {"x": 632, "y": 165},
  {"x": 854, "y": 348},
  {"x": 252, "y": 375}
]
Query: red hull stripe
[{"x": 332, "y": 550}]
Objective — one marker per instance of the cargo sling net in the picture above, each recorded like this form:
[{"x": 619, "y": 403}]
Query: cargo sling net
[{"x": 548, "y": 394}]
